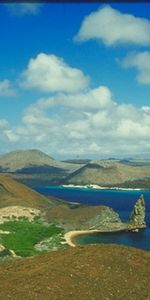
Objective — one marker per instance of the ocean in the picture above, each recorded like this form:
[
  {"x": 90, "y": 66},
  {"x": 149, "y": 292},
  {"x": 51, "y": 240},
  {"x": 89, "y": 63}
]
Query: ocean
[{"x": 122, "y": 201}]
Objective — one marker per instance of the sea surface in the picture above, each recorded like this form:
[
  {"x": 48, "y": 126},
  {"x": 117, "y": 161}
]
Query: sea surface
[{"x": 122, "y": 201}]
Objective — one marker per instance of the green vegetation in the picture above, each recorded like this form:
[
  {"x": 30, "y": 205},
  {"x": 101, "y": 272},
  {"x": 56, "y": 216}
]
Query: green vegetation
[{"x": 24, "y": 235}]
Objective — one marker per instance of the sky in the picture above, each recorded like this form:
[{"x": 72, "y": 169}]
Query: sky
[{"x": 75, "y": 79}]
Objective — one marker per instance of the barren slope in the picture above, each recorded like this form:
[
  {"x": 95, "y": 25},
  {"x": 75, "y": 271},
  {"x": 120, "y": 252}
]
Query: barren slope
[
  {"x": 108, "y": 173},
  {"x": 102, "y": 272},
  {"x": 32, "y": 160},
  {"x": 14, "y": 193}
]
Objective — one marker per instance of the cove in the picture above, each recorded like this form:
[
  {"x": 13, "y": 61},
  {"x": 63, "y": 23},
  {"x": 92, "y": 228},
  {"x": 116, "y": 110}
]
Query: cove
[
  {"x": 139, "y": 239},
  {"x": 122, "y": 201}
]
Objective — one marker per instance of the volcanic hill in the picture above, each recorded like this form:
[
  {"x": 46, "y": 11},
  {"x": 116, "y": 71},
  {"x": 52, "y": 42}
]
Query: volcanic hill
[
  {"x": 33, "y": 167},
  {"x": 111, "y": 173},
  {"x": 32, "y": 161}
]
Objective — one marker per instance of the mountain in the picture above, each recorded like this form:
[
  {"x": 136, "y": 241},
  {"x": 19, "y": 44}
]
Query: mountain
[
  {"x": 86, "y": 272},
  {"x": 33, "y": 161},
  {"x": 110, "y": 173}
]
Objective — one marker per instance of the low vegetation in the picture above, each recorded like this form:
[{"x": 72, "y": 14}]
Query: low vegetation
[{"x": 24, "y": 235}]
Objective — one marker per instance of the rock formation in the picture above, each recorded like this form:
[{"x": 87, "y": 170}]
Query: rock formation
[
  {"x": 108, "y": 219},
  {"x": 137, "y": 217}
]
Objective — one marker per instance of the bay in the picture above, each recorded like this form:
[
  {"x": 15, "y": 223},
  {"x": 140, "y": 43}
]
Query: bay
[{"x": 122, "y": 201}]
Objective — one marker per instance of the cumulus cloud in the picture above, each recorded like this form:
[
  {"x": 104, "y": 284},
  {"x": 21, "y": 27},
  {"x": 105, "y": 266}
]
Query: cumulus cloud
[
  {"x": 21, "y": 9},
  {"x": 141, "y": 62},
  {"x": 98, "y": 131},
  {"x": 6, "y": 88},
  {"x": 93, "y": 99},
  {"x": 114, "y": 28},
  {"x": 49, "y": 73}
]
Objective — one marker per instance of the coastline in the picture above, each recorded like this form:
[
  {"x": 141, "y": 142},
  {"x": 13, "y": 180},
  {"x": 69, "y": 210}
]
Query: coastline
[
  {"x": 71, "y": 235},
  {"x": 98, "y": 187}
]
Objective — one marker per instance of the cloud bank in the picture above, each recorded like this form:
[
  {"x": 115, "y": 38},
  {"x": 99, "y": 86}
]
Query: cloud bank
[
  {"x": 72, "y": 119},
  {"x": 106, "y": 129}
]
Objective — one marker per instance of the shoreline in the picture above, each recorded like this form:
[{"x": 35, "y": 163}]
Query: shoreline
[
  {"x": 98, "y": 187},
  {"x": 71, "y": 235}
]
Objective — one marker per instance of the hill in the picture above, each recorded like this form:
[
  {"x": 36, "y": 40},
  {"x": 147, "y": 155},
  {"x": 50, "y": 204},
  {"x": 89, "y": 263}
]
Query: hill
[
  {"x": 33, "y": 167},
  {"x": 16, "y": 198},
  {"x": 13, "y": 193},
  {"x": 32, "y": 161},
  {"x": 89, "y": 272},
  {"x": 110, "y": 173}
]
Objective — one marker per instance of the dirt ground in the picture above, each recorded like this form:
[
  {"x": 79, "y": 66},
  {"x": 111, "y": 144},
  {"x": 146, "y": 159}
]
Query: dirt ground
[{"x": 94, "y": 272}]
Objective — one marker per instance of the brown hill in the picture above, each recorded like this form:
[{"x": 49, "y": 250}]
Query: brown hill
[
  {"x": 14, "y": 193},
  {"x": 70, "y": 216},
  {"x": 102, "y": 272},
  {"x": 107, "y": 173},
  {"x": 33, "y": 161}
]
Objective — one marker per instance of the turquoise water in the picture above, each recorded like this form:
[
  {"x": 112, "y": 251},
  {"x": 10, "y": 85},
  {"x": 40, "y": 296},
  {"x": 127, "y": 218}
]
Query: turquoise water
[{"x": 122, "y": 201}]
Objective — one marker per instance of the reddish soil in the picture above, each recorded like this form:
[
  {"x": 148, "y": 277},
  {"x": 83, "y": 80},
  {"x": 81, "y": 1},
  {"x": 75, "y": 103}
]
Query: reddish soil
[
  {"x": 97, "y": 272},
  {"x": 14, "y": 193}
]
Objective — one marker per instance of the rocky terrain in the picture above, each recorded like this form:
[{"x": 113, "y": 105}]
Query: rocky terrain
[
  {"x": 110, "y": 173},
  {"x": 18, "y": 200},
  {"x": 138, "y": 214},
  {"x": 14, "y": 194},
  {"x": 106, "y": 272},
  {"x": 101, "y": 272}
]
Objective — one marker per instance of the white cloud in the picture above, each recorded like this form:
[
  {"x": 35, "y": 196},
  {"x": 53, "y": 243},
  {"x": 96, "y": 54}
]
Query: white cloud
[
  {"x": 97, "y": 98},
  {"x": 141, "y": 62},
  {"x": 21, "y": 9},
  {"x": 110, "y": 129},
  {"x": 6, "y": 88},
  {"x": 49, "y": 73},
  {"x": 114, "y": 28}
]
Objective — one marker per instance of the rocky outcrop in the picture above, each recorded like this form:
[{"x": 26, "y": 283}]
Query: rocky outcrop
[
  {"x": 137, "y": 218},
  {"x": 108, "y": 219}
]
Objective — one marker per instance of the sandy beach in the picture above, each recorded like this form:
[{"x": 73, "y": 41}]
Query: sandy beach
[{"x": 70, "y": 235}]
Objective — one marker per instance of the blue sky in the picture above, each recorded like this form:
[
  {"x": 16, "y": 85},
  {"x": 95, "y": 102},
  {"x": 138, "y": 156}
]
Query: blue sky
[{"x": 75, "y": 79}]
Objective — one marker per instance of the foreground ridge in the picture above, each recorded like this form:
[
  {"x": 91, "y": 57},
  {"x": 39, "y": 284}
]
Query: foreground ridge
[{"x": 89, "y": 272}]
